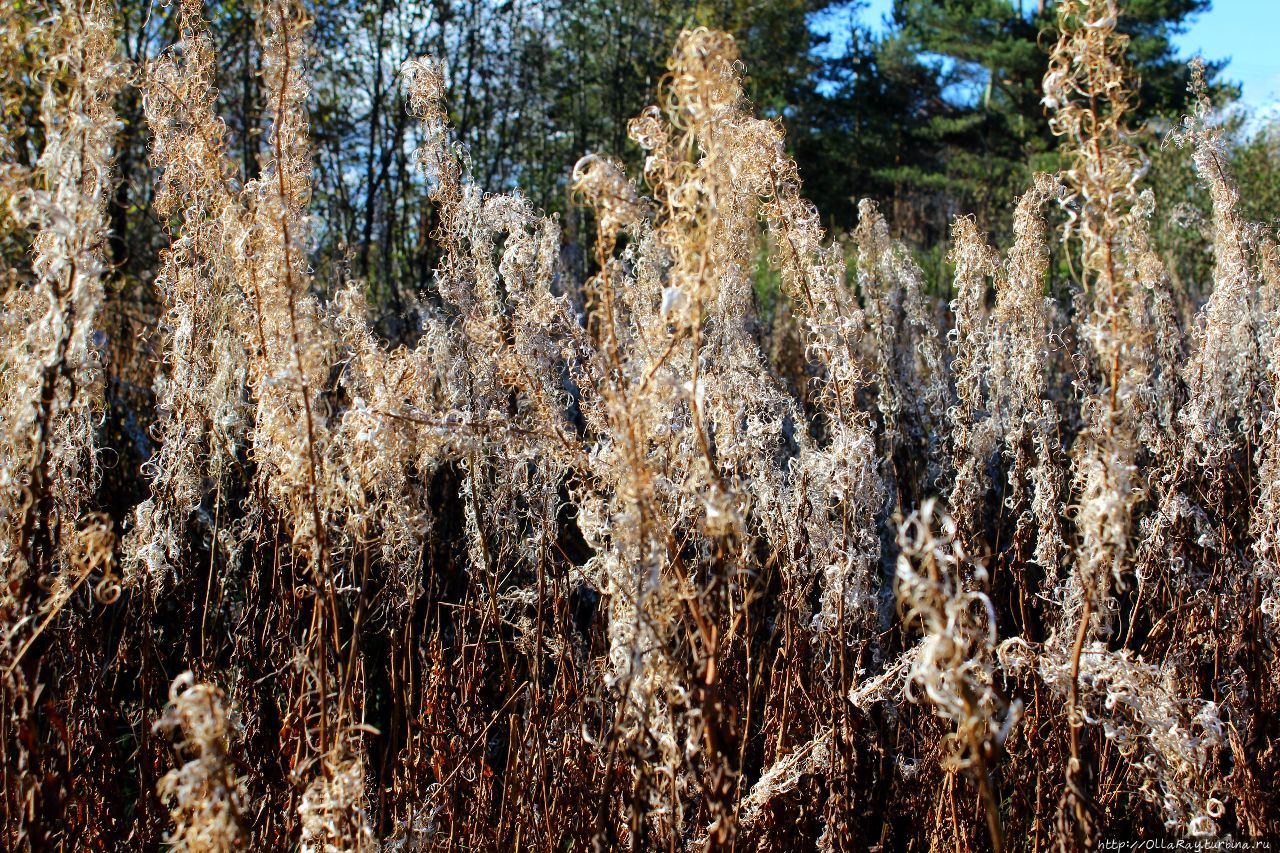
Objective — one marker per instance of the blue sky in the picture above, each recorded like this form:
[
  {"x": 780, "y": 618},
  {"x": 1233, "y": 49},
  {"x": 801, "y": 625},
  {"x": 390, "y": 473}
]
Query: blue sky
[{"x": 1244, "y": 31}]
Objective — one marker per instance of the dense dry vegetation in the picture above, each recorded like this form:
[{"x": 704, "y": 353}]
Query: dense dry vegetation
[{"x": 665, "y": 558}]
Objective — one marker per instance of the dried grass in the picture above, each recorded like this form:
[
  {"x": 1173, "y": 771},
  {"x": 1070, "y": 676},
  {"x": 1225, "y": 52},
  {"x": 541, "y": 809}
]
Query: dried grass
[{"x": 589, "y": 563}]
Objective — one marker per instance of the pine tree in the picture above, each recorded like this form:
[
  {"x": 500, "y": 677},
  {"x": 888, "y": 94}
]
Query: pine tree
[{"x": 985, "y": 134}]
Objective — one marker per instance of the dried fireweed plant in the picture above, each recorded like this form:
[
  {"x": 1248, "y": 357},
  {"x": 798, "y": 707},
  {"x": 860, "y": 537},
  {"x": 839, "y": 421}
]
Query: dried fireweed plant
[
  {"x": 595, "y": 562},
  {"x": 208, "y": 798}
]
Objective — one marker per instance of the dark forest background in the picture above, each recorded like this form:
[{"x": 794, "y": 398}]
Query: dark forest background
[{"x": 935, "y": 114}]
